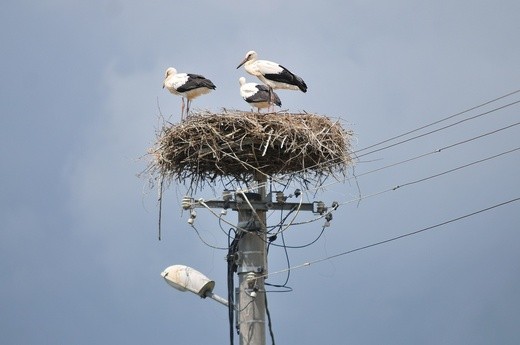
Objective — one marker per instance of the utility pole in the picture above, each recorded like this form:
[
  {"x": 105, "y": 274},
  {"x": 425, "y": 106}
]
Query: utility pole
[
  {"x": 251, "y": 256},
  {"x": 252, "y": 268}
]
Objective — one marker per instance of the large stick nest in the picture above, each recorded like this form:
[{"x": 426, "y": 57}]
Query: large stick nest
[{"x": 239, "y": 145}]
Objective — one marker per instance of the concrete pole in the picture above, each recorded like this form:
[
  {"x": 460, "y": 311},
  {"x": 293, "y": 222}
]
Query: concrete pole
[{"x": 252, "y": 265}]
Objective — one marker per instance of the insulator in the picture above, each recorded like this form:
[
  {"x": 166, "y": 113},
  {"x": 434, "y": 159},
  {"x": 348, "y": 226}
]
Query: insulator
[
  {"x": 320, "y": 207},
  {"x": 328, "y": 217},
  {"x": 186, "y": 202},
  {"x": 280, "y": 197},
  {"x": 226, "y": 195}
]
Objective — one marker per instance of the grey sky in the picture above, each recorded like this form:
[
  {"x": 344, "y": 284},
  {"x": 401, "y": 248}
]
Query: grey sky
[{"x": 79, "y": 256}]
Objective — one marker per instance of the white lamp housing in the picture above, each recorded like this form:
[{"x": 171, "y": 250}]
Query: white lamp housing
[{"x": 185, "y": 278}]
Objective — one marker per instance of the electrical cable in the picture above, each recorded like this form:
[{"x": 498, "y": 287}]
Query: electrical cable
[
  {"x": 269, "y": 322},
  {"x": 407, "y": 161},
  {"x": 321, "y": 216},
  {"x": 201, "y": 202},
  {"x": 435, "y": 130},
  {"x": 253, "y": 210},
  {"x": 285, "y": 288},
  {"x": 439, "y": 121},
  {"x": 306, "y": 264},
  {"x": 457, "y": 168},
  {"x": 294, "y": 209},
  {"x": 272, "y": 227},
  {"x": 270, "y": 242},
  {"x": 204, "y": 241},
  {"x": 297, "y": 210},
  {"x": 222, "y": 228},
  {"x": 303, "y": 245},
  {"x": 287, "y": 259},
  {"x": 231, "y": 269},
  {"x": 430, "y": 177},
  {"x": 435, "y": 151}
]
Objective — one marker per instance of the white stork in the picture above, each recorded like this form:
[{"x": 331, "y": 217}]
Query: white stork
[
  {"x": 186, "y": 85},
  {"x": 272, "y": 74},
  {"x": 258, "y": 95}
]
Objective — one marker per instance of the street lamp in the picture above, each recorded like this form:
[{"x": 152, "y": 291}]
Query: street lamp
[{"x": 184, "y": 278}]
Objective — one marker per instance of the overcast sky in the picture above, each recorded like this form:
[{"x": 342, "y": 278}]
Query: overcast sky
[{"x": 81, "y": 82}]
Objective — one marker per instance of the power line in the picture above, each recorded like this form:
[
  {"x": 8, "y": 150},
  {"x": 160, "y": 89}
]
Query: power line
[
  {"x": 436, "y": 130},
  {"x": 303, "y": 245},
  {"x": 269, "y": 322},
  {"x": 457, "y": 168},
  {"x": 287, "y": 259},
  {"x": 416, "y": 181},
  {"x": 205, "y": 242},
  {"x": 431, "y": 176},
  {"x": 397, "y": 237},
  {"x": 412, "y": 159},
  {"x": 465, "y": 141},
  {"x": 439, "y": 121}
]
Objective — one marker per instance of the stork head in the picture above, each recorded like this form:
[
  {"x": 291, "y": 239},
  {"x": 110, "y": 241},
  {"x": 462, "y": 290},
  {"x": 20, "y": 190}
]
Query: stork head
[
  {"x": 250, "y": 56},
  {"x": 242, "y": 81},
  {"x": 169, "y": 71}
]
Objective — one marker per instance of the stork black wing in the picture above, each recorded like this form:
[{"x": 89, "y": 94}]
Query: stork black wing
[
  {"x": 262, "y": 95},
  {"x": 196, "y": 81},
  {"x": 286, "y": 76}
]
